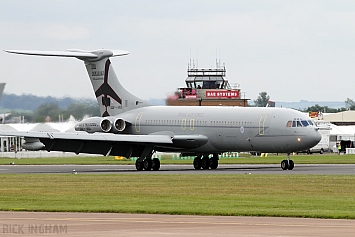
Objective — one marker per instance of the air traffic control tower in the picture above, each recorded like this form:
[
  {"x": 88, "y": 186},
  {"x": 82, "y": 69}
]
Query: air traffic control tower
[{"x": 207, "y": 87}]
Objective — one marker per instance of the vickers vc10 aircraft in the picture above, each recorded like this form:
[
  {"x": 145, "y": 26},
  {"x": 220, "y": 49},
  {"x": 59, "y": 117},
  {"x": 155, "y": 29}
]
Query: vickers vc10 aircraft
[{"x": 131, "y": 127}]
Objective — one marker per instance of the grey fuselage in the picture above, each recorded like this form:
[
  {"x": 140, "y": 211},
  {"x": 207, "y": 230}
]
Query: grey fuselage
[{"x": 226, "y": 128}]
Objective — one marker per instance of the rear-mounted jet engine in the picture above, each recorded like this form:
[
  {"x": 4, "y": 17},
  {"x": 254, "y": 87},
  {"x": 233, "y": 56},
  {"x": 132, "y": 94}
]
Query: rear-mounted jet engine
[
  {"x": 94, "y": 124},
  {"x": 119, "y": 125}
]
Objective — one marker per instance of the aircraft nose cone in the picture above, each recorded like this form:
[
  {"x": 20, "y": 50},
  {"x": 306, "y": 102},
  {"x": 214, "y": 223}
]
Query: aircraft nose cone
[{"x": 314, "y": 137}]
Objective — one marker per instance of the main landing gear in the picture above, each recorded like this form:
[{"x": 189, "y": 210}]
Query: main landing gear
[
  {"x": 148, "y": 164},
  {"x": 287, "y": 164},
  {"x": 145, "y": 161},
  {"x": 204, "y": 162}
]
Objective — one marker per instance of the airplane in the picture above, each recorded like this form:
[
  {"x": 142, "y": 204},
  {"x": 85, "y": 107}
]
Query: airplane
[{"x": 131, "y": 127}]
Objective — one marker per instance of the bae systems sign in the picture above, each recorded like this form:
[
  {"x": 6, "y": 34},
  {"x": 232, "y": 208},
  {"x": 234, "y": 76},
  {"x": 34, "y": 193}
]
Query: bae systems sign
[{"x": 222, "y": 94}]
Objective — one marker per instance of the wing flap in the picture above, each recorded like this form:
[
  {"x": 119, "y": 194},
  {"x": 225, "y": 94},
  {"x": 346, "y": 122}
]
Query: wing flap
[{"x": 77, "y": 146}]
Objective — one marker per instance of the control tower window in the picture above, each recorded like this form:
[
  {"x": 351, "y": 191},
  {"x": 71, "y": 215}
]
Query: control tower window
[
  {"x": 199, "y": 84},
  {"x": 207, "y": 78},
  {"x": 209, "y": 85}
]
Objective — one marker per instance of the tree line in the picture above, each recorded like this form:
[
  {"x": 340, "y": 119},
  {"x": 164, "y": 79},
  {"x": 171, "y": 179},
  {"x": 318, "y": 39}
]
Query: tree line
[
  {"x": 263, "y": 98},
  {"x": 52, "y": 112}
]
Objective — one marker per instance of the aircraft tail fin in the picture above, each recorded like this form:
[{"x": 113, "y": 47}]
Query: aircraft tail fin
[{"x": 112, "y": 97}]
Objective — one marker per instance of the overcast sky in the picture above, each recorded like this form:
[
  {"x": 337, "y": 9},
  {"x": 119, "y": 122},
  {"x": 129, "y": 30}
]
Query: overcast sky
[{"x": 293, "y": 50}]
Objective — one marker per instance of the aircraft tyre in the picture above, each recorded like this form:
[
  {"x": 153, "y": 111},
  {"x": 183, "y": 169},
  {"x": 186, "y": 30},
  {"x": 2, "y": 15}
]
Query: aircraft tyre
[
  {"x": 197, "y": 162},
  {"x": 147, "y": 164},
  {"x": 213, "y": 163},
  {"x": 205, "y": 163},
  {"x": 291, "y": 165},
  {"x": 284, "y": 164},
  {"x": 139, "y": 165},
  {"x": 155, "y": 164}
]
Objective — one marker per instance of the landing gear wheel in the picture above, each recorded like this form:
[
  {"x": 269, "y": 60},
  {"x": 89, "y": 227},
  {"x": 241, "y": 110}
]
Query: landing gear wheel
[
  {"x": 214, "y": 162},
  {"x": 139, "y": 165},
  {"x": 197, "y": 163},
  {"x": 291, "y": 165},
  {"x": 147, "y": 164},
  {"x": 155, "y": 164},
  {"x": 284, "y": 164},
  {"x": 205, "y": 163}
]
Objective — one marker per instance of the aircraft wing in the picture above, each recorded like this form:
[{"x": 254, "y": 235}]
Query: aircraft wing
[
  {"x": 96, "y": 143},
  {"x": 91, "y": 136},
  {"x": 105, "y": 143}
]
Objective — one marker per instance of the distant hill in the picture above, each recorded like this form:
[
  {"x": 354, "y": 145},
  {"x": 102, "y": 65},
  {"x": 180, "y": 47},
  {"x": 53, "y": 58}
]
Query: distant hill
[{"x": 31, "y": 102}]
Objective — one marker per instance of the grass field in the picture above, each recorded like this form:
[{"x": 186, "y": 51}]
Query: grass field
[
  {"x": 318, "y": 196},
  {"x": 166, "y": 159},
  {"x": 252, "y": 195}
]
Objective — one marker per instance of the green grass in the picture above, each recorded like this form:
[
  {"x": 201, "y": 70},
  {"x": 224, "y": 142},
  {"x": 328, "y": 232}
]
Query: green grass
[
  {"x": 166, "y": 159},
  {"x": 248, "y": 195},
  {"x": 77, "y": 160}
]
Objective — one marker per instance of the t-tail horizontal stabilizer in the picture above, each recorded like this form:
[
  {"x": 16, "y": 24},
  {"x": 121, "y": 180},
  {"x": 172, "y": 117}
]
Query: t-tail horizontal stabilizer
[{"x": 80, "y": 54}]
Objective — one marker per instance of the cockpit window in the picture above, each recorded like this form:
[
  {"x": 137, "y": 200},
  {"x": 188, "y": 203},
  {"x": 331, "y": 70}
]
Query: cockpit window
[
  {"x": 297, "y": 122},
  {"x": 304, "y": 123}
]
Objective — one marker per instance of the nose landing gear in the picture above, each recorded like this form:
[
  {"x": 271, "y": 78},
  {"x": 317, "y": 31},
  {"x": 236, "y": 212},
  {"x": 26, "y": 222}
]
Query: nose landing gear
[{"x": 287, "y": 164}]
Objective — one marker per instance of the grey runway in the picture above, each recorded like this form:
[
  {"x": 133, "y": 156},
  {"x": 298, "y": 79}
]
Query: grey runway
[
  {"x": 117, "y": 224},
  {"x": 345, "y": 169}
]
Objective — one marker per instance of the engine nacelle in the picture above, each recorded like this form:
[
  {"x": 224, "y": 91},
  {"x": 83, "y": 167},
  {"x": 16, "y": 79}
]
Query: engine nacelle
[
  {"x": 32, "y": 144},
  {"x": 94, "y": 124},
  {"x": 119, "y": 125}
]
